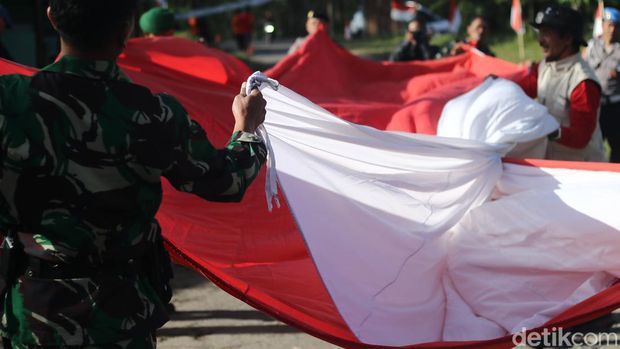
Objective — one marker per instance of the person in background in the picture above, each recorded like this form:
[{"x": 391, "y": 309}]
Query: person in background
[
  {"x": 200, "y": 29},
  {"x": 84, "y": 151},
  {"x": 157, "y": 21},
  {"x": 477, "y": 37},
  {"x": 5, "y": 23},
  {"x": 603, "y": 54},
  {"x": 416, "y": 46},
  {"x": 566, "y": 84},
  {"x": 242, "y": 28},
  {"x": 314, "y": 21}
]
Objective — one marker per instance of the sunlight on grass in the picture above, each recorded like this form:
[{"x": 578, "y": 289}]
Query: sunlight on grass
[{"x": 506, "y": 48}]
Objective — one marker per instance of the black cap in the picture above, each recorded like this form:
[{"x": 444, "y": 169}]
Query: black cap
[
  {"x": 318, "y": 15},
  {"x": 563, "y": 19}
]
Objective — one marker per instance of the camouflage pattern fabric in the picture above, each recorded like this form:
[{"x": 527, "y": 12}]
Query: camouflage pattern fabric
[{"x": 82, "y": 154}]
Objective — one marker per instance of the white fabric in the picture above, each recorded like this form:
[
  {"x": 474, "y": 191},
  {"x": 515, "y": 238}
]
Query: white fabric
[
  {"x": 407, "y": 243},
  {"x": 548, "y": 242},
  {"x": 497, "y": 111}
]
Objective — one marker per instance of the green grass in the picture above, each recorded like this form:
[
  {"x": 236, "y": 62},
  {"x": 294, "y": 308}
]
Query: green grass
[
  {"x": 378, "y": 47},
  {"x": 505, "y": 47}
]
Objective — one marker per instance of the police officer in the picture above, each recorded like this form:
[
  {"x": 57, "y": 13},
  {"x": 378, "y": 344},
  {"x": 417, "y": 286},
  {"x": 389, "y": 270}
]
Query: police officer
[
  {"x": 157, "y": 22},
  {"x": 603, "y": 55},
  {"x": 566, "y": 84},
  {"x": 83, "y": 150}
]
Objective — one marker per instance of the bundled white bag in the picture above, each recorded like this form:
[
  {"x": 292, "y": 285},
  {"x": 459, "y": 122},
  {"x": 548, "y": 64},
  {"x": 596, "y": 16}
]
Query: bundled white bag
[{"x": 499, "y": 112}]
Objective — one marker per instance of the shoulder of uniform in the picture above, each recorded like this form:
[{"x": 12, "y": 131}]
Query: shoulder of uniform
[
  {"x": 14, "y": 79},
  {"x": 12, "y": 86},
  {"x": 586, "y": 72},
  {"x": 169, "y": 100},
  {"x": 173, "y": 104}
]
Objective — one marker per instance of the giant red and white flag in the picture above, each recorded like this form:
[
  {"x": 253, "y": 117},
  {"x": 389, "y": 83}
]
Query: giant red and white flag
[
  {"x": 598, "y": 20},
  {"x": 372, "y": 255},
  {"x": 516, "y": 17}
]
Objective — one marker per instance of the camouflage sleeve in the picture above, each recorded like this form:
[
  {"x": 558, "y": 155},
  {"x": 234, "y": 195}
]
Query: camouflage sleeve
[{"x": 213, "y": 174}]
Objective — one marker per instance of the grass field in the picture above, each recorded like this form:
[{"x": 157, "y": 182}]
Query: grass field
[{"x": 505, "y": 47}]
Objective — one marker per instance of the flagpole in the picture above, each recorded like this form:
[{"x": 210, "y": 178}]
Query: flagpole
[{"x": 521, "y": 46}]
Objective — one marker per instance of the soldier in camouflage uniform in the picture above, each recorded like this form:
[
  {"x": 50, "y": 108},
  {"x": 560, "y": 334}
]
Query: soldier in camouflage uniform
[{"x": 82, "y": 151}]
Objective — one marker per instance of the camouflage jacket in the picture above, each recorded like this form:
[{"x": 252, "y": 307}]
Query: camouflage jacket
[{"x": 82, "y": 153}]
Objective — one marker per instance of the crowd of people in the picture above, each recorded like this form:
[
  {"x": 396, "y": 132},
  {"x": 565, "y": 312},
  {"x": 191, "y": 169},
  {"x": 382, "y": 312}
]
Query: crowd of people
[
  {"x": 98, "y": 263},
  {"x": 417, "y": 47},
  {"x": 579, "y": 88}
]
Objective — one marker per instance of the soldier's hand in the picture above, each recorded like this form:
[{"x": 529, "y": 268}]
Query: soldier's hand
[{"x": 249, "y": 111}]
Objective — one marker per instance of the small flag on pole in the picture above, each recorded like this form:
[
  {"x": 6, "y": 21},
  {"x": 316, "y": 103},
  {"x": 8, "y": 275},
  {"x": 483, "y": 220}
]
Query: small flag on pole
[
  {"x": 598, "y": 20},
  {"x": 516, "y": 19},
  {"x": 455, "y": 16}
]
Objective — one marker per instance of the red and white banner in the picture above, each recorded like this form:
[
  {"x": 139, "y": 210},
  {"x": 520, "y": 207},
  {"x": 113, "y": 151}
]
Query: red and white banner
[
  {"x": 271, "y": 263},
  {"x": 597, "y": 30},
  {"x": 454, "y": 17},
  {"x": 400, "y": 12},
  {"x": 516, "y": 17}
]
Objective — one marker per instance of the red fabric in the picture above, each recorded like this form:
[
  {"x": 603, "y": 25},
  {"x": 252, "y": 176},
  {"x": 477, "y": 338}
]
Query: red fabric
[
  {"x": 397, "y": 96},
  {"x": 398, "y": 5},
  {"x": 529, "y": 83},
  {"x": 258, "y": 256},
  {"x": 584, "y": 103}
]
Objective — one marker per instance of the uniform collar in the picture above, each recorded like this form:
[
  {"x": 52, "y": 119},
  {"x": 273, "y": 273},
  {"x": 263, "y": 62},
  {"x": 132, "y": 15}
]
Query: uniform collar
[
  {"x": 564, "y": 64},
  {"x": 88, "y": 68}
]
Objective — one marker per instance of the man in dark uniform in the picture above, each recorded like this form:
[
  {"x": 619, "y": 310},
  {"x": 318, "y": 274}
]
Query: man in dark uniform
[
  {"x": 416, "y": 46},
  {"x": 477, "y": 37},
  {"x": 5, "y": 23},
  {"x": 82, "y": 153}
]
